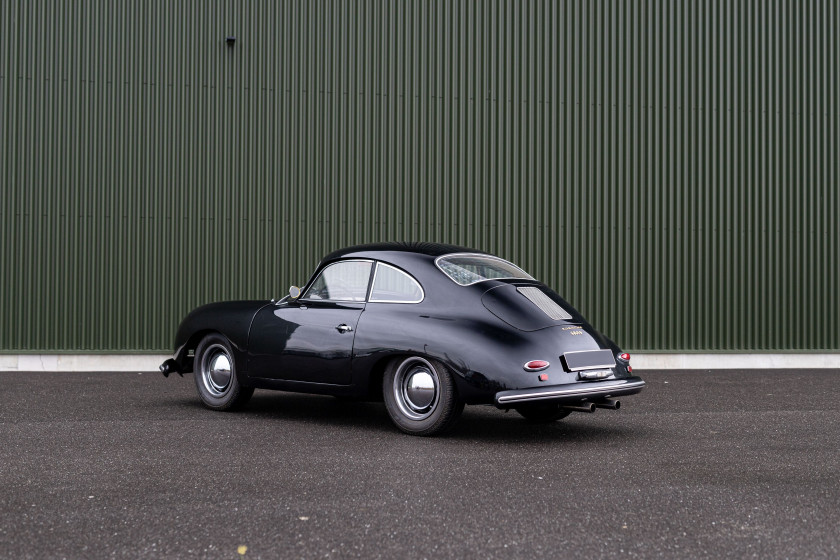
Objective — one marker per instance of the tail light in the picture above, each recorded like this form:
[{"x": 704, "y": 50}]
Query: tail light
[
  {"x": 536, "y": 365},
  {"x": 624, "y": 357}
]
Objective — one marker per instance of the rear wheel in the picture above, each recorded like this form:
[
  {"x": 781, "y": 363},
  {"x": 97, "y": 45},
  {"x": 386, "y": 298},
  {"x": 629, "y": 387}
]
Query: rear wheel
[
  {"x": 542, "y": 413},
  {"x": 421, "y": 396},
  {"x": 215, "y": 375}
]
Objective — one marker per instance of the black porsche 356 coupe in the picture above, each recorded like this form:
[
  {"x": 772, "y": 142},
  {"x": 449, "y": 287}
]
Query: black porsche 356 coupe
[{"x": 425, "y": 327}]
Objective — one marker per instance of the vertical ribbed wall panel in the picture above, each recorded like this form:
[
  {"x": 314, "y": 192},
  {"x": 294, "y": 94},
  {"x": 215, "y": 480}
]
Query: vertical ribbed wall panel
[{"x": 669, "y": 167}]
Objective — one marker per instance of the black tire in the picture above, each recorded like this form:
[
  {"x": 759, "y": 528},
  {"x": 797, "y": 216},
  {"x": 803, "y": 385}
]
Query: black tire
[
  {"x": 215, "y": 375},
  {"x": 542, "y": 413},
  {"x": 420, "y": 396}
]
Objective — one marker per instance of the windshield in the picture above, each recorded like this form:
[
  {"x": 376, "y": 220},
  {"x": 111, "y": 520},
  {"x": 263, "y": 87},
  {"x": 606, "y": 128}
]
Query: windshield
[{"x": 466, "y": 269}]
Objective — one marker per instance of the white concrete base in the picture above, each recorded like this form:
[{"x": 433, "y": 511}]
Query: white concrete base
[
  {"x": 735, "y": 361},
  {"x": 81, "y": 362},
  {"x": 150, "y": 362}
]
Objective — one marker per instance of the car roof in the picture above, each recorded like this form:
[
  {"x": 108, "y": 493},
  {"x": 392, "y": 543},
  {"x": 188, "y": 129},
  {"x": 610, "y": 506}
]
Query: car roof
[
  {"x": 380, "y": 250},
  {"x": 416, "y": 258}
]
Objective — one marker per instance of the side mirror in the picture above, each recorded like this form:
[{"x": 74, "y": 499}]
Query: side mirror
[{"x": 294, "y": 292}]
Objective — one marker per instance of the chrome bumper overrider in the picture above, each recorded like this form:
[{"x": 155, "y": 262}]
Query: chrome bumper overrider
[{"x": 573, "y": 392}]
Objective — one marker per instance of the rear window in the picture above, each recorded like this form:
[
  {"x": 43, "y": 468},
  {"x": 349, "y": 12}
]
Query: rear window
[{"x": 466, "y": 269}]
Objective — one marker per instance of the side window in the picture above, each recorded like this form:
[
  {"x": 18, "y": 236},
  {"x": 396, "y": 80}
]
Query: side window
[
  {"x": 391, "y": 285},
  {"x": 342, "y": 281}
]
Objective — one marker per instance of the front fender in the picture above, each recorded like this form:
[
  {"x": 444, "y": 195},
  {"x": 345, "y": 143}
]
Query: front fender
[{"x": 231, "y": 318}]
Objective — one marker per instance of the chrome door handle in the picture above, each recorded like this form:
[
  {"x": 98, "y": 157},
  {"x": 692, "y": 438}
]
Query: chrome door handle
[{"x": 342, "y": 328}]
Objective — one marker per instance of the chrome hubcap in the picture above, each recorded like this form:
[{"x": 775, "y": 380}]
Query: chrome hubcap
[
  {"x": 420, "y": 390},
  {"x": 216, "y": 370},
  {"x": 416, "y": 388}
]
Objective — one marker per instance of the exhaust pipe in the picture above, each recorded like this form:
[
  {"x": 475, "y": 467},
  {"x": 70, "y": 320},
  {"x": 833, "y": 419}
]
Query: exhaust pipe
[
  {"x": 612, "y": 404},
  {"x": 585, "y": 407}
]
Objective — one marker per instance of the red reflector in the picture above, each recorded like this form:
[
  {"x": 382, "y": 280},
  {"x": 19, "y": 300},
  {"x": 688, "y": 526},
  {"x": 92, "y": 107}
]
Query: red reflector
[
  {"x": 536, "y": 365},
  {"x": 630, "y": 369},
  {"x": 625, "y": 357},
  {"x": 543, "y": 377}
]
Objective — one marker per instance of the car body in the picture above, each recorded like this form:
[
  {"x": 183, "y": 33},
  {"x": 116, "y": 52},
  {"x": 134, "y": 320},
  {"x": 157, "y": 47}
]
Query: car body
[{"x": 425, "y": 327}]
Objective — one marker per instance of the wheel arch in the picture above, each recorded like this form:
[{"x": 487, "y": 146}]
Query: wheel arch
[
  {"x": 376, "y": 372},
  {"x": 185, "y": 356}
]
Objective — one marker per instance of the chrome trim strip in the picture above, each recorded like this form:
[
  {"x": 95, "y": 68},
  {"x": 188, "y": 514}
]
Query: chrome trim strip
[{"x": 539, "y": 395}]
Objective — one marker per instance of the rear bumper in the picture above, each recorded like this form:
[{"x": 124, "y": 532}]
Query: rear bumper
[{"x": 573, "y": 393}]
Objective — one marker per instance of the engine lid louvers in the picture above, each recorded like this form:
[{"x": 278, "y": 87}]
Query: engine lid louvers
[{"x": 545, "y": 303}]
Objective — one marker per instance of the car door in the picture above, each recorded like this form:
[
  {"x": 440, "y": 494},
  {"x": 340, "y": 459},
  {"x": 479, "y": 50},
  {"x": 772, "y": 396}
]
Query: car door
[{"x": 311, "y": 338}]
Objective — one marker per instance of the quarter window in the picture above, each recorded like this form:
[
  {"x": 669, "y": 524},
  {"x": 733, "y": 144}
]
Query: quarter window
[
  {"x": 342, "y": 281},
  {"x": 392, "y": 285}
]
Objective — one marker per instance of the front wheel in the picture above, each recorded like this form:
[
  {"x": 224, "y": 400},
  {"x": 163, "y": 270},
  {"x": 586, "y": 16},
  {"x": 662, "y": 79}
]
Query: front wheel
[
  {"x": 215, "y": 375},
  {"x": 421, "y": 396}
]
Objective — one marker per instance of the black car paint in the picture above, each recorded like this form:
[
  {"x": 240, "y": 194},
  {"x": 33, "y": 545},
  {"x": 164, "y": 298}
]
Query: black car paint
[
  {"x": 301, "y": 341},
  {"x": 484, "y": 333}
]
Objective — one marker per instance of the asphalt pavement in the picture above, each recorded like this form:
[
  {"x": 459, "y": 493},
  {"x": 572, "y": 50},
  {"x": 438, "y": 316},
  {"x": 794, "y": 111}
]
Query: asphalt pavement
[{"x": 734, "y": 464}]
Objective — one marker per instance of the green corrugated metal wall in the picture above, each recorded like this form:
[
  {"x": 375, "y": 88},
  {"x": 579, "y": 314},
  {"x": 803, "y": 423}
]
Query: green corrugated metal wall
[{"x": 670, "y": 167}]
